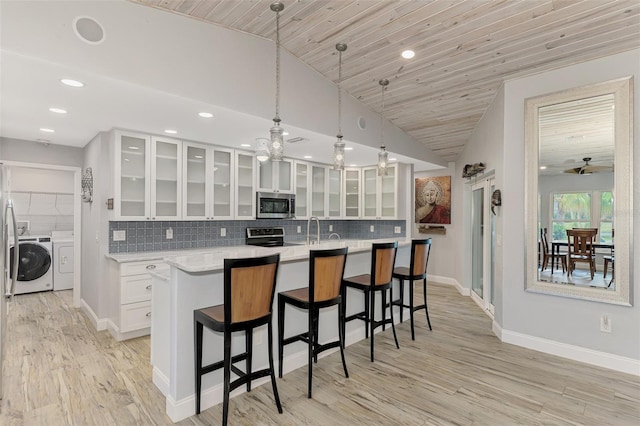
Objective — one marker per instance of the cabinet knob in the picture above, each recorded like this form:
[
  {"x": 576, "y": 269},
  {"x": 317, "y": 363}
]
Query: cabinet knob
[
  {"x": 149, "y": 287},
  {"x": 148, "y": 218},
  {"x": 151, "y": 266},
  {"x": 148, "y": 315}
]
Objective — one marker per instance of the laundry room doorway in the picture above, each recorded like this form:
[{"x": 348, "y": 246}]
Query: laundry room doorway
[{"x": 47, "y": 199}]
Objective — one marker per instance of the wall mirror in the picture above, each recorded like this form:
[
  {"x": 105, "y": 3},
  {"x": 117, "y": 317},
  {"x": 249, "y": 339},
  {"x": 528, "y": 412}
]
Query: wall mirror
[{"x": 579, "y": 157}]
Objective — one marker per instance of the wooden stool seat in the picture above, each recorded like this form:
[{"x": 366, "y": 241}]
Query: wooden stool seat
[
  {"x": 383, "y": 258},
  {"x": 249, "y": 287},
  {"x": 417, "y": 270},
  {"x": 326, "y": 269}
]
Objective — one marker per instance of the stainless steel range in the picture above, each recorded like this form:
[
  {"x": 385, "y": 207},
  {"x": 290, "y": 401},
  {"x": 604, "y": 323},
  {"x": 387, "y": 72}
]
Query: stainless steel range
[{"x": 267, "y": 237}]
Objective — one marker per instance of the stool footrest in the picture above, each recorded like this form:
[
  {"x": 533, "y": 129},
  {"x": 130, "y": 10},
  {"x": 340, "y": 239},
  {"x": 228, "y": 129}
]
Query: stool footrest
[
  {"x": 246, "y": 377},
  {"x": 321, "y": 348},
  {"x": 302, "y": 337},
  {"x": 360, "y": 315},
  {"x": 219, "y": 364}
]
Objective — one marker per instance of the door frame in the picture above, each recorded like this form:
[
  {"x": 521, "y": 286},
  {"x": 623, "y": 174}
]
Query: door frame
[{"x": 484, "y": 302}]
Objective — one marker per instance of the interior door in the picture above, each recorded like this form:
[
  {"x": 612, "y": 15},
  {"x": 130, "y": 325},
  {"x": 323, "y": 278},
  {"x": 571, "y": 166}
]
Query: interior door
[{"x": 482, "y": 244}]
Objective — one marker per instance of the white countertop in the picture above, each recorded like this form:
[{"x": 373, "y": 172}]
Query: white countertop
[{"x": 213, "y": 259}]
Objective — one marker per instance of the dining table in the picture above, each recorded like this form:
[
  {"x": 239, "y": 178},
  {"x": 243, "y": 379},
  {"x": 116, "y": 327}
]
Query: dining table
[{"x": 556, "y": 244}]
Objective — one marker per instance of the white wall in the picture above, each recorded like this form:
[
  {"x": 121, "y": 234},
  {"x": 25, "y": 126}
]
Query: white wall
[
  {"x": 95, "y": 228},
  {"x": 565, "y": 320},
  {"x": 441, "y": 263},
  {"x": 35, "y": 152}
]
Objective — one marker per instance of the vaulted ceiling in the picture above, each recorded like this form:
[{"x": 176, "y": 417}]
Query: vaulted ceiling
[{"x": 464, "y": 49}]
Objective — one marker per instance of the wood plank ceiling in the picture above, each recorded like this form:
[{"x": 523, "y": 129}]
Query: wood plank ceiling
[{"x": 464, "y": 49}]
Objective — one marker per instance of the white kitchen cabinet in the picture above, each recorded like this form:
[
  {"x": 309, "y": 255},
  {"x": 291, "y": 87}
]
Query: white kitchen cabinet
[
  {"x": 351, "y": 191},
  {"x": 147, "y": 177},
  {"x": 207, "y": 182},
  {"x": 318, "y": 191},
  {"x": 379, "y": 193},
  {"x": 166, "y": 178},
  {"x": 275, "y": 176},
  {"x": 132, "y": 176},
  {"x": 244, "y": 187},
  {"x": 132, "y": 313},
  {"x": 302, "y": 178},
  {"x": 334, "y": 189}
]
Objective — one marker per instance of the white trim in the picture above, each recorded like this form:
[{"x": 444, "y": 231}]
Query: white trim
[
  {"x": 575, "y": 353},
  {"x": 115, "y": 332},
  {"x": 99, "y": 323},
  {"x": 160, "y": 380},
  {"x": 497, "y": 329},
  {"x": 449, "y": 281}
]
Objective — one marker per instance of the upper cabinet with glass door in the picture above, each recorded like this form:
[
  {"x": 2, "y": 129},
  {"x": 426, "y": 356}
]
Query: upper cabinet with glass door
[
  {"x": 275, "y": 176},
  {"x": 302, "y": 189},
  {"x": 244, "y": 187},
  {"x": 132, "y": 176},
  {"x": 335, "y": 193},
  {"x": 207, "y": 182},
  {"x": 318, "y": 191},
  {"x": 380, "y": 193},
  {"x": 166, "y": 175},
  {"x": 351, "y": 191}
]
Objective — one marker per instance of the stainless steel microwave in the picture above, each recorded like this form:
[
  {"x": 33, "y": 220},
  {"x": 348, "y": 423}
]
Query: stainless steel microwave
[{"x": 274, "y": 205}]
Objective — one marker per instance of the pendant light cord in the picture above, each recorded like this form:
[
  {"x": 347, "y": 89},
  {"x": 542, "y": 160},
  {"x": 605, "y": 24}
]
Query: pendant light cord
[
  {"x": 382, "y": 119},
  {"x": 277, "y": 117},
  {"x": 339, "y": 94}
]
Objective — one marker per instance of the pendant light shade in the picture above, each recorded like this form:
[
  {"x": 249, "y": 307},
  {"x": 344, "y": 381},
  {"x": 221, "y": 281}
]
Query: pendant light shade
[
  {"x": 338, "y": 147},
  {"x": 262, "y": 149},
  {"x": 276, "y": 146},
  {"x": 383, "y": 155}
]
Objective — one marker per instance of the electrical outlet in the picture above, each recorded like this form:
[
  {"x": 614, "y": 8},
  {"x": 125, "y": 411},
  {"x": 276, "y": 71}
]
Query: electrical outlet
[
  {"x": 330, "y": 228},
  {"x": 397, "y": 229},
  {"x": 169, "y": 233},
  {"x": 299, "y": 229},
  {"x": 223, "y": 232},
  {"x": 117, "y": 235},
  {"x": 605, "y": 324},
  {"x": 372, "y": 228}
]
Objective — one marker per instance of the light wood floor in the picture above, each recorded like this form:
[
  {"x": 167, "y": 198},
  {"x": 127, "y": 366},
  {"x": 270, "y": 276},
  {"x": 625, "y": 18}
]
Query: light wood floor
[{"x": 60, "y": 371}]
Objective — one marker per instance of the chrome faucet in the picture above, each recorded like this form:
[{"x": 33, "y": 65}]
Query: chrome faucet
[
  {"x": 334, "y": 234},
  {"x": 318, "y": 228}
]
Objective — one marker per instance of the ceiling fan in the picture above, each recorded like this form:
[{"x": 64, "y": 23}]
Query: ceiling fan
[{"x": 587, "y": 168}]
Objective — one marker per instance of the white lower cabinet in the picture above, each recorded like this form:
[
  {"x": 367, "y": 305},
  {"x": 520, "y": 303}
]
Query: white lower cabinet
[{"x": 133, "y": 302}]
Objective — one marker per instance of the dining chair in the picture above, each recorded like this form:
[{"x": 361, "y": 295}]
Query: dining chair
[
  {"x": 580, "y": 245},
  {"x": 249, "y": 287},
  {"x": 546, "y": 255},
  {"x": 610, "y": 259},
  {"x": 326, "y": 270}
]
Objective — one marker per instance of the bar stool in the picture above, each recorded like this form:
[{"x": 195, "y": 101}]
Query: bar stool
[
  {"x": 326, "y": 269},
  {"x": 383, "y": 258},
  {"x": 417, "y": 270},
  {"x": 249, "y": 287}
]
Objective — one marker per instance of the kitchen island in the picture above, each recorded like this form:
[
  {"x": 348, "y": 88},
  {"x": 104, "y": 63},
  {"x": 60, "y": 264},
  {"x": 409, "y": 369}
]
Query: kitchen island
[{"x": 195, "y": 281}]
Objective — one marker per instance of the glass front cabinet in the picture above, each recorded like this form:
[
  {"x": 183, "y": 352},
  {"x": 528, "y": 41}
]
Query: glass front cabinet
[
  {"x": 132, "y": 172},
  {"x": 351, "y": 191},
  {"x": 166, "y": 176},
  {"x": 207, "y": 182},
  {"x": 245, "y": 190},
  {"x": 302, "y": 189},
  {"x": 380, "y": 197},
  {"x": 275, "y": 176}
]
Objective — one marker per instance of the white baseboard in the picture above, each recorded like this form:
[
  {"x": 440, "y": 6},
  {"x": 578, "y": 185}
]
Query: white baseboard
[
  {"x": 497, "y": 329},
  {"x": 576, "y": 353},
  {"x": 115, "y": 332},
  {"x": 160, "y": 380},
  {"x": 99, "y": 323},
  {"x": 450, "y": 281}
]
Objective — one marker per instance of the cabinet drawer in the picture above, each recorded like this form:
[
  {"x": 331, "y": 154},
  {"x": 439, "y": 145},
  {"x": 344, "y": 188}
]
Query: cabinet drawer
[
  {"x": 135, "y": 316},
  {"x": 136, "y": 268},
  {"x": 136, "y": 288}
]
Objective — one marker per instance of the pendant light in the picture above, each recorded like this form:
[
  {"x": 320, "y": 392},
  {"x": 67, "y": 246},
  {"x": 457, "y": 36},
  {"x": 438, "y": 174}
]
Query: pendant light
[
  {"x": 338, "y": 147},
  {"x": 383, "y": 155},
  {"x": 276, "y": 147}
]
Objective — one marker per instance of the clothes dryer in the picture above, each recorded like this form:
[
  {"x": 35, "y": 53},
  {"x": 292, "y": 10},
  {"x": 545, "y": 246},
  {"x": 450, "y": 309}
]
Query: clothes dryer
[{"x": 35, "y": 271}]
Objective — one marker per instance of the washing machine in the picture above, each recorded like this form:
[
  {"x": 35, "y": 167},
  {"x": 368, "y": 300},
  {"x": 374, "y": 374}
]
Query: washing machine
[
  {"x": 35, "y": 271},
  {"x": 63, "y": 259}
]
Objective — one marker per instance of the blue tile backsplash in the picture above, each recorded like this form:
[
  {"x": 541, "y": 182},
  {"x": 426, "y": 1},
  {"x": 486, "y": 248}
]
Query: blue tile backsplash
[{"x": 151, "y": 236}]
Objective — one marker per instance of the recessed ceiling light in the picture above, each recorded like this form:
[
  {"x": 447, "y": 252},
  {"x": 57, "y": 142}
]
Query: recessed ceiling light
[
  {"x": 308, "y": 157},
  {"x": 171, "y": 132},
  {"x": 245, "y": 145},
  {"x": 348, "y": 148},
  {"x": 393, "y": 159},
  {"x": 353, "y": 165},
  {"x": 205, "y": 114},
  {"x": 408, "y": 54},
  {"x": 134, "y": 147},
  {"x": 58, "y": 110},
  {"x": 72, "y": 83},
  {"x": 43, "y": 129},
  {"x": 543, "y": 167},
  {"x": 285, "y": 133},
  {"x": 198, "y": 156},
  {"x": 126, "y": 159}
]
